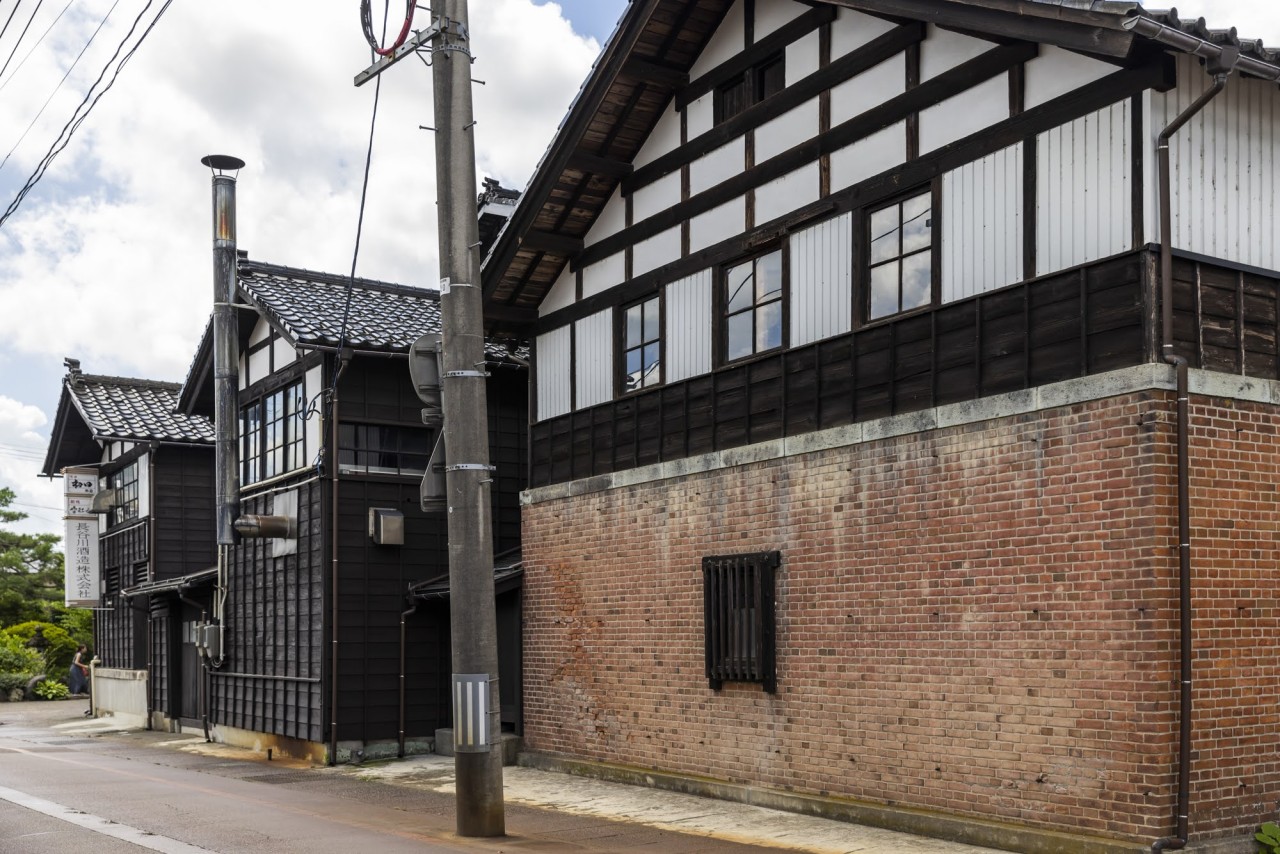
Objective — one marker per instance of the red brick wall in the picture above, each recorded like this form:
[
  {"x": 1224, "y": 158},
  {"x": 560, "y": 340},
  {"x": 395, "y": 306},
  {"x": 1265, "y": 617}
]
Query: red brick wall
[{"x": 980, "y": 620}]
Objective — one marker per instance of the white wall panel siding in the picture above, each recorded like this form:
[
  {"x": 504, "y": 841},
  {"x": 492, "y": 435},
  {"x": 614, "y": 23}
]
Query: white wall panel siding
[
  {"x": 593, "y": 359},
  {"x": 718, "y": 224},
  {"x": 773, "y": 14},
  {"x": 981, "y": 228},
  {"x": 554, "y": 389},
  {"x": 562, "y": 294},
  {"x": 787, "y": 130},
  {"x": 869, "y": 89},
  {"x": 943, "y": 50},
  {"x": 660, "y": 249},
  {"x": 612, "y": 219},
  {"x": 1056, "y": 72},
  {"x": 822, "y": 280},
  {"x": 802, "y": 56},
  {"x": 259, "y": 365},
  {"x": 851, "y": 30},
  {"x": 261, "y": 331},
  {"x": 701, "y": 115},
  {"x": 724, "y": 45},
  {"x": 784, "y": 195},
  {"x": 712, "y": 168},
  {"x": 1083, "y": 190},
  {"x": 603, "y": 275},
  {"x": 656, "y": 197},
  {"x": 868, "y": 157},
  {"x": 688, "y": 330},
  {"x": 313, "y": 385},
  {"x": 665, "y": 138},
  {"x": 1224, "y": 183},
  {"x": 967, "y": 113},
  {"x": 283, "y": 353}
]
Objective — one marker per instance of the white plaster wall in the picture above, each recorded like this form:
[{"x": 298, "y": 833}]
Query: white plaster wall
[
  {"x": 1224, "y": 183},
  {"x": 716, "y": 166},
  {"x": 789, "y": 129},
  {"x": 783, "y": 195},
  {"x": 943, "y": 50},
  {"x": 822, "y": 280},
  {"x": 261, "y": 331},
  {"x": 144, "y": 485},
  {"x": 1084, "y": 190},
  {"x": 656, "y": 197},
  {"x": 688, "y": 327},
  {"x": 313, "y": 384},
  {"x": 851, "y": 30},
  {"x": 869, "y": 89},
  {"x": 802, "y": 58},
  {"x": 244, "y": 374},
  {"x": 593, "y": 359},
  {"x": 284, "y": 353},
  {"x": 603, "y": 275},
  {"x": 1056, "y": 72},
  {"x": 660, "y": 249},
  {"x": 562, "y": 294},
  {"x": 612, "y": 219},
  {"x": 724, "y": 45},
  {"x": 701, "y": 115},
  {"x": 967, "y": 113},
  {"x": 982, "y": 225},
  {"x": 772, "y": 14},
  {"x": 665, "y": 138},
  {"x": 552, "y": 354},
  {"x": 259, "y": 365},
  {"x": 718, "y": 224},
  {"x": 870, "y": 156}
]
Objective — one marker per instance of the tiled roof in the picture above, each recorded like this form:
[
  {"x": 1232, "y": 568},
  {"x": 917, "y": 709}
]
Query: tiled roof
[
  {"x": 309, "y": 307},
  {"x": 141, "y": 410}
]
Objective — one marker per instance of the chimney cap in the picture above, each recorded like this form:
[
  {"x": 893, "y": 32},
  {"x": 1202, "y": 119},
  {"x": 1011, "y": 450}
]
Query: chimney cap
[{"x": 222, "y": 162}]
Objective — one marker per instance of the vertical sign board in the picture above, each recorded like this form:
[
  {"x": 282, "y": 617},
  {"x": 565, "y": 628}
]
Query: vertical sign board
[{"x": 83, "y": 582}]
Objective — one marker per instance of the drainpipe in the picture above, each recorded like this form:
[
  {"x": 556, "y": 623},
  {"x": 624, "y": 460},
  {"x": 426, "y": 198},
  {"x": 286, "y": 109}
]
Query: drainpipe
[
  {"x": 404, "y": 615},
  {"x": 1220, "y": 67},
  {"x": 344, "y": 357},
  {"x": 151, "y": 576}
]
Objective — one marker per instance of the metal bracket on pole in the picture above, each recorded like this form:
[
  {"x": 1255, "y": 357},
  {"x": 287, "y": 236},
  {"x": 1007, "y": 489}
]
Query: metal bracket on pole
[
  {"x": 470, "y": 467},
  {"x": 420, "y": 37},
  {"x": 466, "y": 374}
]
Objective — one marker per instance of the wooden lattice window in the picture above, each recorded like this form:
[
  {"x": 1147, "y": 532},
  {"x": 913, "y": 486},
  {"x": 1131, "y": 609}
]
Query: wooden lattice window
[{"x": 738, "y": 618}]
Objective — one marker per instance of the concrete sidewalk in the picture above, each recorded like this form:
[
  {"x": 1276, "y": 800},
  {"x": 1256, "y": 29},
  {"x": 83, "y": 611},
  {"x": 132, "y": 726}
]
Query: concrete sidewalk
[{"x": 546, "y": 810}]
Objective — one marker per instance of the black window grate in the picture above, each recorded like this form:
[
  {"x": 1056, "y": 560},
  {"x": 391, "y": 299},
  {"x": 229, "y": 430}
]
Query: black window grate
[{"x": 738, "y": 612}]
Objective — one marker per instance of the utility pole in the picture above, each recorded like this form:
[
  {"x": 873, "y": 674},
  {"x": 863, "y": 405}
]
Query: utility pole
[{"x": 477, "y": 725}]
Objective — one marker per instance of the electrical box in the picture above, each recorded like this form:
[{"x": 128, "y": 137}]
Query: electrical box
[
  {"x": 386, "y": 526},
  {"x": 432, "y": 496},
  {"x": 209, "y": 640}
]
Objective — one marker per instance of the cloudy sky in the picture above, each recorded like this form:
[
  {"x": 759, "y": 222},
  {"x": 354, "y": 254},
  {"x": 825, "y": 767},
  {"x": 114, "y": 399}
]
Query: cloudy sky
[{"x": 108, "y": 260}]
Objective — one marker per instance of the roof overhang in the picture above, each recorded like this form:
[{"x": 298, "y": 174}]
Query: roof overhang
[
  {"x": 177, "y": 586},
  {"x": 71, "y": 441}
]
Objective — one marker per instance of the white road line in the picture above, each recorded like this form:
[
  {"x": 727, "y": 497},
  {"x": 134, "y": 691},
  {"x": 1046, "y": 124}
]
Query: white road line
[{"x": 97, "y": 824}]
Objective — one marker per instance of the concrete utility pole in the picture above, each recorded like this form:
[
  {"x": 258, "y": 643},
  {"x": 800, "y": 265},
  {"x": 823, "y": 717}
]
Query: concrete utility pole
[{"x": 476, "y": 710}]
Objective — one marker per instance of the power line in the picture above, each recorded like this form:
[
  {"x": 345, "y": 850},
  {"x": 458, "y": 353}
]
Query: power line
[
  {"x": 39, "y": 42},
  {"x": 39, "y": 3},
  {"x": 74, "y": 62},
  {"x": 9, "y": 20},
  {"x": 69, "y": 129}
]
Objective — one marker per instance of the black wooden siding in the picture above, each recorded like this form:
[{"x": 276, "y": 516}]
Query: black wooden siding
[
  {"x": 120, "y": 632},
  {"x": 164, "y": 655},
  {"x": 1095, "y": 318},
  {"x": 183, "y": 498}
]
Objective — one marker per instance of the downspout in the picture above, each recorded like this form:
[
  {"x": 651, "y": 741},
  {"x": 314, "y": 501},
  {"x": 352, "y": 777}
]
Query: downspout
[
  {"x": 1220, "y": 67},
  {"x": 204, "y": 669},
  {"x": 151, "y": 576},
  {"x": 404, "y": 615},
  {"x": 332, "y": 458}
]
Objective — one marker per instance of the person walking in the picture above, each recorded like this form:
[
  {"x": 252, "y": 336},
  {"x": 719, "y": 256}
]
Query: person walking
[{"x": 78, "y": 678}]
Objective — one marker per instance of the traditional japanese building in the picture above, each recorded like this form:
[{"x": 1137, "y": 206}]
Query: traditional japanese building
[{"x": 860, "y": 481}]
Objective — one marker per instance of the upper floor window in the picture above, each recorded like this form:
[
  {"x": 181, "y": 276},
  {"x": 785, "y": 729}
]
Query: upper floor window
[
  {"x": 900, "y": 259},
  {"x": 753, "y": 301},
  {"x": 271, "y": 434},
  {"x": 751, "y": 87},
  {"x": 642, "y": 344},
  {"x": 125, "y": 483},
  {"x": 383, "y": 449}
]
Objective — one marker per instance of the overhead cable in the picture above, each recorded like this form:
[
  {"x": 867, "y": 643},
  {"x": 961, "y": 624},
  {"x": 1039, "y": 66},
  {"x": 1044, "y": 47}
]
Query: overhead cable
[
  {"x": 39, "y": 3},
  {"x": 39, "y": 42}
]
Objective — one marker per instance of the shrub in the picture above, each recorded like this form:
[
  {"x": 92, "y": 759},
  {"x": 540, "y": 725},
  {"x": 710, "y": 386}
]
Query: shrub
[
  {"x": 13, "y": 681},
  {"x": 59, "y": 652},
  {"x": 17, "y": 657},
  {"x": 51, "y": 689},
  {"x": 1269, "y": 837},
  {"x": 77, "y": 622}
]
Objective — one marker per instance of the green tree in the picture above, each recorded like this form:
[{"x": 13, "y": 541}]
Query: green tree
[{"x": 31, "y": 575}]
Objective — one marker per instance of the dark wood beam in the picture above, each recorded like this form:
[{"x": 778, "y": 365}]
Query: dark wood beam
[
  {"x": 547, "y": 241},
  {"x": 509, "y": 316},
  {"x": 661, "y": 76},
  {"x": 592, "y": 164}
]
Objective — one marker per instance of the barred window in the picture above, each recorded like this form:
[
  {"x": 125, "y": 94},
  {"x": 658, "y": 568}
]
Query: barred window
[
  {"x": 125, "y": 483},
  {"x": 271, "y": 434},
  {"x": 738, "y": 618}
]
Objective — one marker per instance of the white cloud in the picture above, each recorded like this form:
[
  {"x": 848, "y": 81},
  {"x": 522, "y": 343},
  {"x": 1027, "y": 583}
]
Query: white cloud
[{"x": 21, "y": 451}]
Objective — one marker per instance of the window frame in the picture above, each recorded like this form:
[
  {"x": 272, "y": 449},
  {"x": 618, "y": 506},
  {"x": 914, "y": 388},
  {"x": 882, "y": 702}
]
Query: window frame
[
  {"x": 128, "y": 496},
  {"x": 621, "y": 349},
  {"x": 352, "y": 469},
  {"x": 932, "y": 189},
  {"x": 720, "y": 305},
  {"x": 754, "y": 84},
  {"x": 292, "y": 446},
  {"x": 725, "y": 578}
]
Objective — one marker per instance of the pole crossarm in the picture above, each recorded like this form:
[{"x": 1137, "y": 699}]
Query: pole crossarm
[{"x": 413, "y": 45}]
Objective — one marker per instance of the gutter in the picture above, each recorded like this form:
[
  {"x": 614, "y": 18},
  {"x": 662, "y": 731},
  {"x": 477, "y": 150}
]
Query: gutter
[
  {"x": 404, "y": 615},
  {"x": 1220, "y": 65}
]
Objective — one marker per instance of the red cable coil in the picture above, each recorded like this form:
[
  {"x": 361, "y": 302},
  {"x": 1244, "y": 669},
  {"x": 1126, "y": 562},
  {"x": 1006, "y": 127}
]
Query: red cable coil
[{"x": 366, "y": 21}]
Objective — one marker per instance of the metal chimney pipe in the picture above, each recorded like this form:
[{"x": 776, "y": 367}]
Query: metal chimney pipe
[{"x": 225, "y": 344}]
